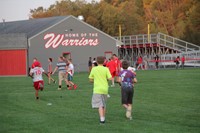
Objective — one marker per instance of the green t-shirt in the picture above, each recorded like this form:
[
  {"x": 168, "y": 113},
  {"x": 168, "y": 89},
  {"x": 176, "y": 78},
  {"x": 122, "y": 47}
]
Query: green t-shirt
[{"x": 100, "y": 74}]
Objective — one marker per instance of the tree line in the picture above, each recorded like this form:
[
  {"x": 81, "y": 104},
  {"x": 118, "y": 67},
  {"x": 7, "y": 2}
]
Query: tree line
[{"x": 178, "y": 18}]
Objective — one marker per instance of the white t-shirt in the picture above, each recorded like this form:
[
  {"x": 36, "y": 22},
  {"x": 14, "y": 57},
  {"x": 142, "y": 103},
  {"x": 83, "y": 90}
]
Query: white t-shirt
[
  {"x": 37, "y": 73},
  {"x": 71, "y": 69},
  {"x": 132, "y": 69}
]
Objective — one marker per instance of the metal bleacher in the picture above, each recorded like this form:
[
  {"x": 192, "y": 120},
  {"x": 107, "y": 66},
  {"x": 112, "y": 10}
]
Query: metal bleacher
[{"x": 167, "y": 47}]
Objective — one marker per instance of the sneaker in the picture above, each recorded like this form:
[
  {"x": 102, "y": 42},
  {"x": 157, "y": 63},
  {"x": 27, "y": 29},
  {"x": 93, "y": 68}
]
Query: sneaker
[
  {"x": 54, "y": 81},
  {"x": 37, "y": 98},
  {"x": 102, "y": 122},
  {"x": 108, "y": 96},
  {"x": 69, "y": 88},
  {"x": 75, "y": 86},
  {"x": 128, "y": 113},
  {"x": 59, "y": 89},
  {"x": 112, "y": 86}
]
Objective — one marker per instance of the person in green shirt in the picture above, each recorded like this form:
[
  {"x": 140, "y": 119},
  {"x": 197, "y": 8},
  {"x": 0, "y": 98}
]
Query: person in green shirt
[{"x": 100, "y": 76}]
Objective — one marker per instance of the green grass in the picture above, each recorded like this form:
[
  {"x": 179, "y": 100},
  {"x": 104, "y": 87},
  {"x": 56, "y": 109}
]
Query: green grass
[{"x": 165, "y": 101}]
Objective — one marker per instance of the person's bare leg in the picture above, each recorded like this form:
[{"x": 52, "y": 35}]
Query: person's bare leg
[
  {"x": 113, "y": 82},
  {"x": 71, "y": 83},
  {"x": 59, "y": 84},
  {"x": 52, "y": 79},
  {"x": 49, "y": 78},
  {"x": 102, "y": 112},
  {"x": 36, "y": 94},
  {"x": 125, "y": 106},
  {"x": 129, "y": 111}
]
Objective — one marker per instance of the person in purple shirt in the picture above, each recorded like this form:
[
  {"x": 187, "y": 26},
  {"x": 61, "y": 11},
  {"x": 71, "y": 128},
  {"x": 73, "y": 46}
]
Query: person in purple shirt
[{"x": 126, "y": 81}]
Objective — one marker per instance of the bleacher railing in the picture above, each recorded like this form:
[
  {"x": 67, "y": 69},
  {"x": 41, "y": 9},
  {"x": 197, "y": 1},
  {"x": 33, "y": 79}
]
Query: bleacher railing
[
  {"x": 176, "y": 43},
  {"x": 183, "y": 48},
  {"x": 138, "y": 39},
  {"x": 160, "y": 38}
]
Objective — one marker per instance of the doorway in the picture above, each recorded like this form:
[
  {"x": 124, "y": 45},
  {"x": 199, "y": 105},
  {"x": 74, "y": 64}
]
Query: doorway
[{"x": 108, "y": 54}]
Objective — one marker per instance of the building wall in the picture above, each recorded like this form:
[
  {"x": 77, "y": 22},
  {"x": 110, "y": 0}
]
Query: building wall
[
  {"x": 13, "y": 54},
  {"x": 13, "y": 62},
  {"x": 79, "y": 54}
]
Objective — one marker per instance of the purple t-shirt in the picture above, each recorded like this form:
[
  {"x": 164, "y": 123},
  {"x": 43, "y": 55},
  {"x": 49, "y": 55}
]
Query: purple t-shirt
[{"x": 127, "y": 76}]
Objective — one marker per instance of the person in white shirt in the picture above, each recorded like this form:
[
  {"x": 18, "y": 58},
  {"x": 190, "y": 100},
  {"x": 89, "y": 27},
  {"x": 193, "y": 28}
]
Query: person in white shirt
[
  {"x": 94, "y": 62},
  {"x": 36, "y": 73},
  {"x": 70, "y": 72},
  {"x": 132, "y": 69}
]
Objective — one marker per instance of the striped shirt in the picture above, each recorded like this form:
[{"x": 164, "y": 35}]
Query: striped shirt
[{"x": 61, "y": 66}]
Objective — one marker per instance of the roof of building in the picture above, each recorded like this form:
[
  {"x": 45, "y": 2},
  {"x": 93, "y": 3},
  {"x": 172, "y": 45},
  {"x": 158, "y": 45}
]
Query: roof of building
[
  {"x": 13, "y": 41},
  {"x": 34, "y": 27},
  {"x": 29, "y": 27}
]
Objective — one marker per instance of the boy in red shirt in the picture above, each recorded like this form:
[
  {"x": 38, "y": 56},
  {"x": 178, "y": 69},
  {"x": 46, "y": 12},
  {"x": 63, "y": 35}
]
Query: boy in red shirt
[
  {"x": 139, "y": 61},
  {"x": 118, "y": 66},
  {"x": 183, "y": 62},
  {"x": 112, "y": 68}
]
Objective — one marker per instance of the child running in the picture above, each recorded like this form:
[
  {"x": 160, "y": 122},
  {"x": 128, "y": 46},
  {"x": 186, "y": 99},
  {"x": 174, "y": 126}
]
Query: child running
[
  {"x": 50, "y": 71},
  {"x": 126, "y": 80},
  {"x": 99, "y": 75},
  {"x": 36, "y": 73},
  {"x": 112, "y": 68},
  {"x": 70, "y": 71},
  {"x": 61, "y": 66}
]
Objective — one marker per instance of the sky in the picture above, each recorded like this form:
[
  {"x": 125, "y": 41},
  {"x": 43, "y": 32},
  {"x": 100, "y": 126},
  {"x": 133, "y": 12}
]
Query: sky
[{"x": 14, "y": 10}]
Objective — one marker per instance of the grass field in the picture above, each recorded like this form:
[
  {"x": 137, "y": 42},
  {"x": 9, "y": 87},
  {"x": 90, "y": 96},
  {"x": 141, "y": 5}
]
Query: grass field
[{"x": 165, "y": 101}]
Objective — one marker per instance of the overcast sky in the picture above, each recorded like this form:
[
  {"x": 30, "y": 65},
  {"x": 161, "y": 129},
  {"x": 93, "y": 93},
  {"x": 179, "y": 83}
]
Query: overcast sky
[{"x": 13, "y": 10}]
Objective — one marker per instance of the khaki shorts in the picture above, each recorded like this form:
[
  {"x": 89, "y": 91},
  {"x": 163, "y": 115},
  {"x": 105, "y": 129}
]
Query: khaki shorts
[
  {"x": 62, "y": 75},
  {"x": 99, "y": 100}
]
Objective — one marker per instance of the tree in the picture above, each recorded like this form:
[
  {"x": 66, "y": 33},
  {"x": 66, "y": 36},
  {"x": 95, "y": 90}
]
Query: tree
[{"x": 178, "y": 18}]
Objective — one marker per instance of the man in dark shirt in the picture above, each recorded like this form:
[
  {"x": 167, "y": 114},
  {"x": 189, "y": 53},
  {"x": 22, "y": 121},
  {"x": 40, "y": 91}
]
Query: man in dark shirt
[{"x": 90, "y": 64}]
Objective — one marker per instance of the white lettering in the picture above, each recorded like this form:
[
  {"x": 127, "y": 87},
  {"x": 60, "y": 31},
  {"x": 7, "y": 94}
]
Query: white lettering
[{"x": 55, "y": 41}]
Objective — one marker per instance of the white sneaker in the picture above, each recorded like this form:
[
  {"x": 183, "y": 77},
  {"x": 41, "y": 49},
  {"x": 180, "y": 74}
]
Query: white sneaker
[
  {"x": 59, "y": 89},
  {"x": 108, "y": 96},
  {"x": 128, "y": 113},
  {"x": 112, "y": 86}
]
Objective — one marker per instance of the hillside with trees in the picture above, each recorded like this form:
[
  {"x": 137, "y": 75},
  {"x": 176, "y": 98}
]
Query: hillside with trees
[{"x": 178, "y": 18}]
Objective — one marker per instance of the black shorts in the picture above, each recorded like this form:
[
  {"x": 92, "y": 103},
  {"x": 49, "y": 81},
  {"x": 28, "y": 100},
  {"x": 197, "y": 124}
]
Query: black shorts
[{"x": 127, "y": 93}]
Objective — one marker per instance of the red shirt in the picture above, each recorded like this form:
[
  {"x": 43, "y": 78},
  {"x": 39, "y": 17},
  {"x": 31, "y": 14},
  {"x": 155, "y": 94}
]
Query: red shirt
[
  {"x": 118, "y": 63},
  {"x": 183, "y": 59},
  {"x": 105, "y": 62},
  {"x": 111, "y": 65},
  {"x": 177, "y": 59},
  {"x": 139, "y": 60}
]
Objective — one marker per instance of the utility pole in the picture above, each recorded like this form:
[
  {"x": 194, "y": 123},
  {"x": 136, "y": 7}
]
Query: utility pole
[
  {"x": 120, "y": 32},
  {"x": 148, "y": 33}
]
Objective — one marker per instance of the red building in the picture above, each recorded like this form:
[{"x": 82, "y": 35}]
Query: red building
[{"x": 13, "y": 55}]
